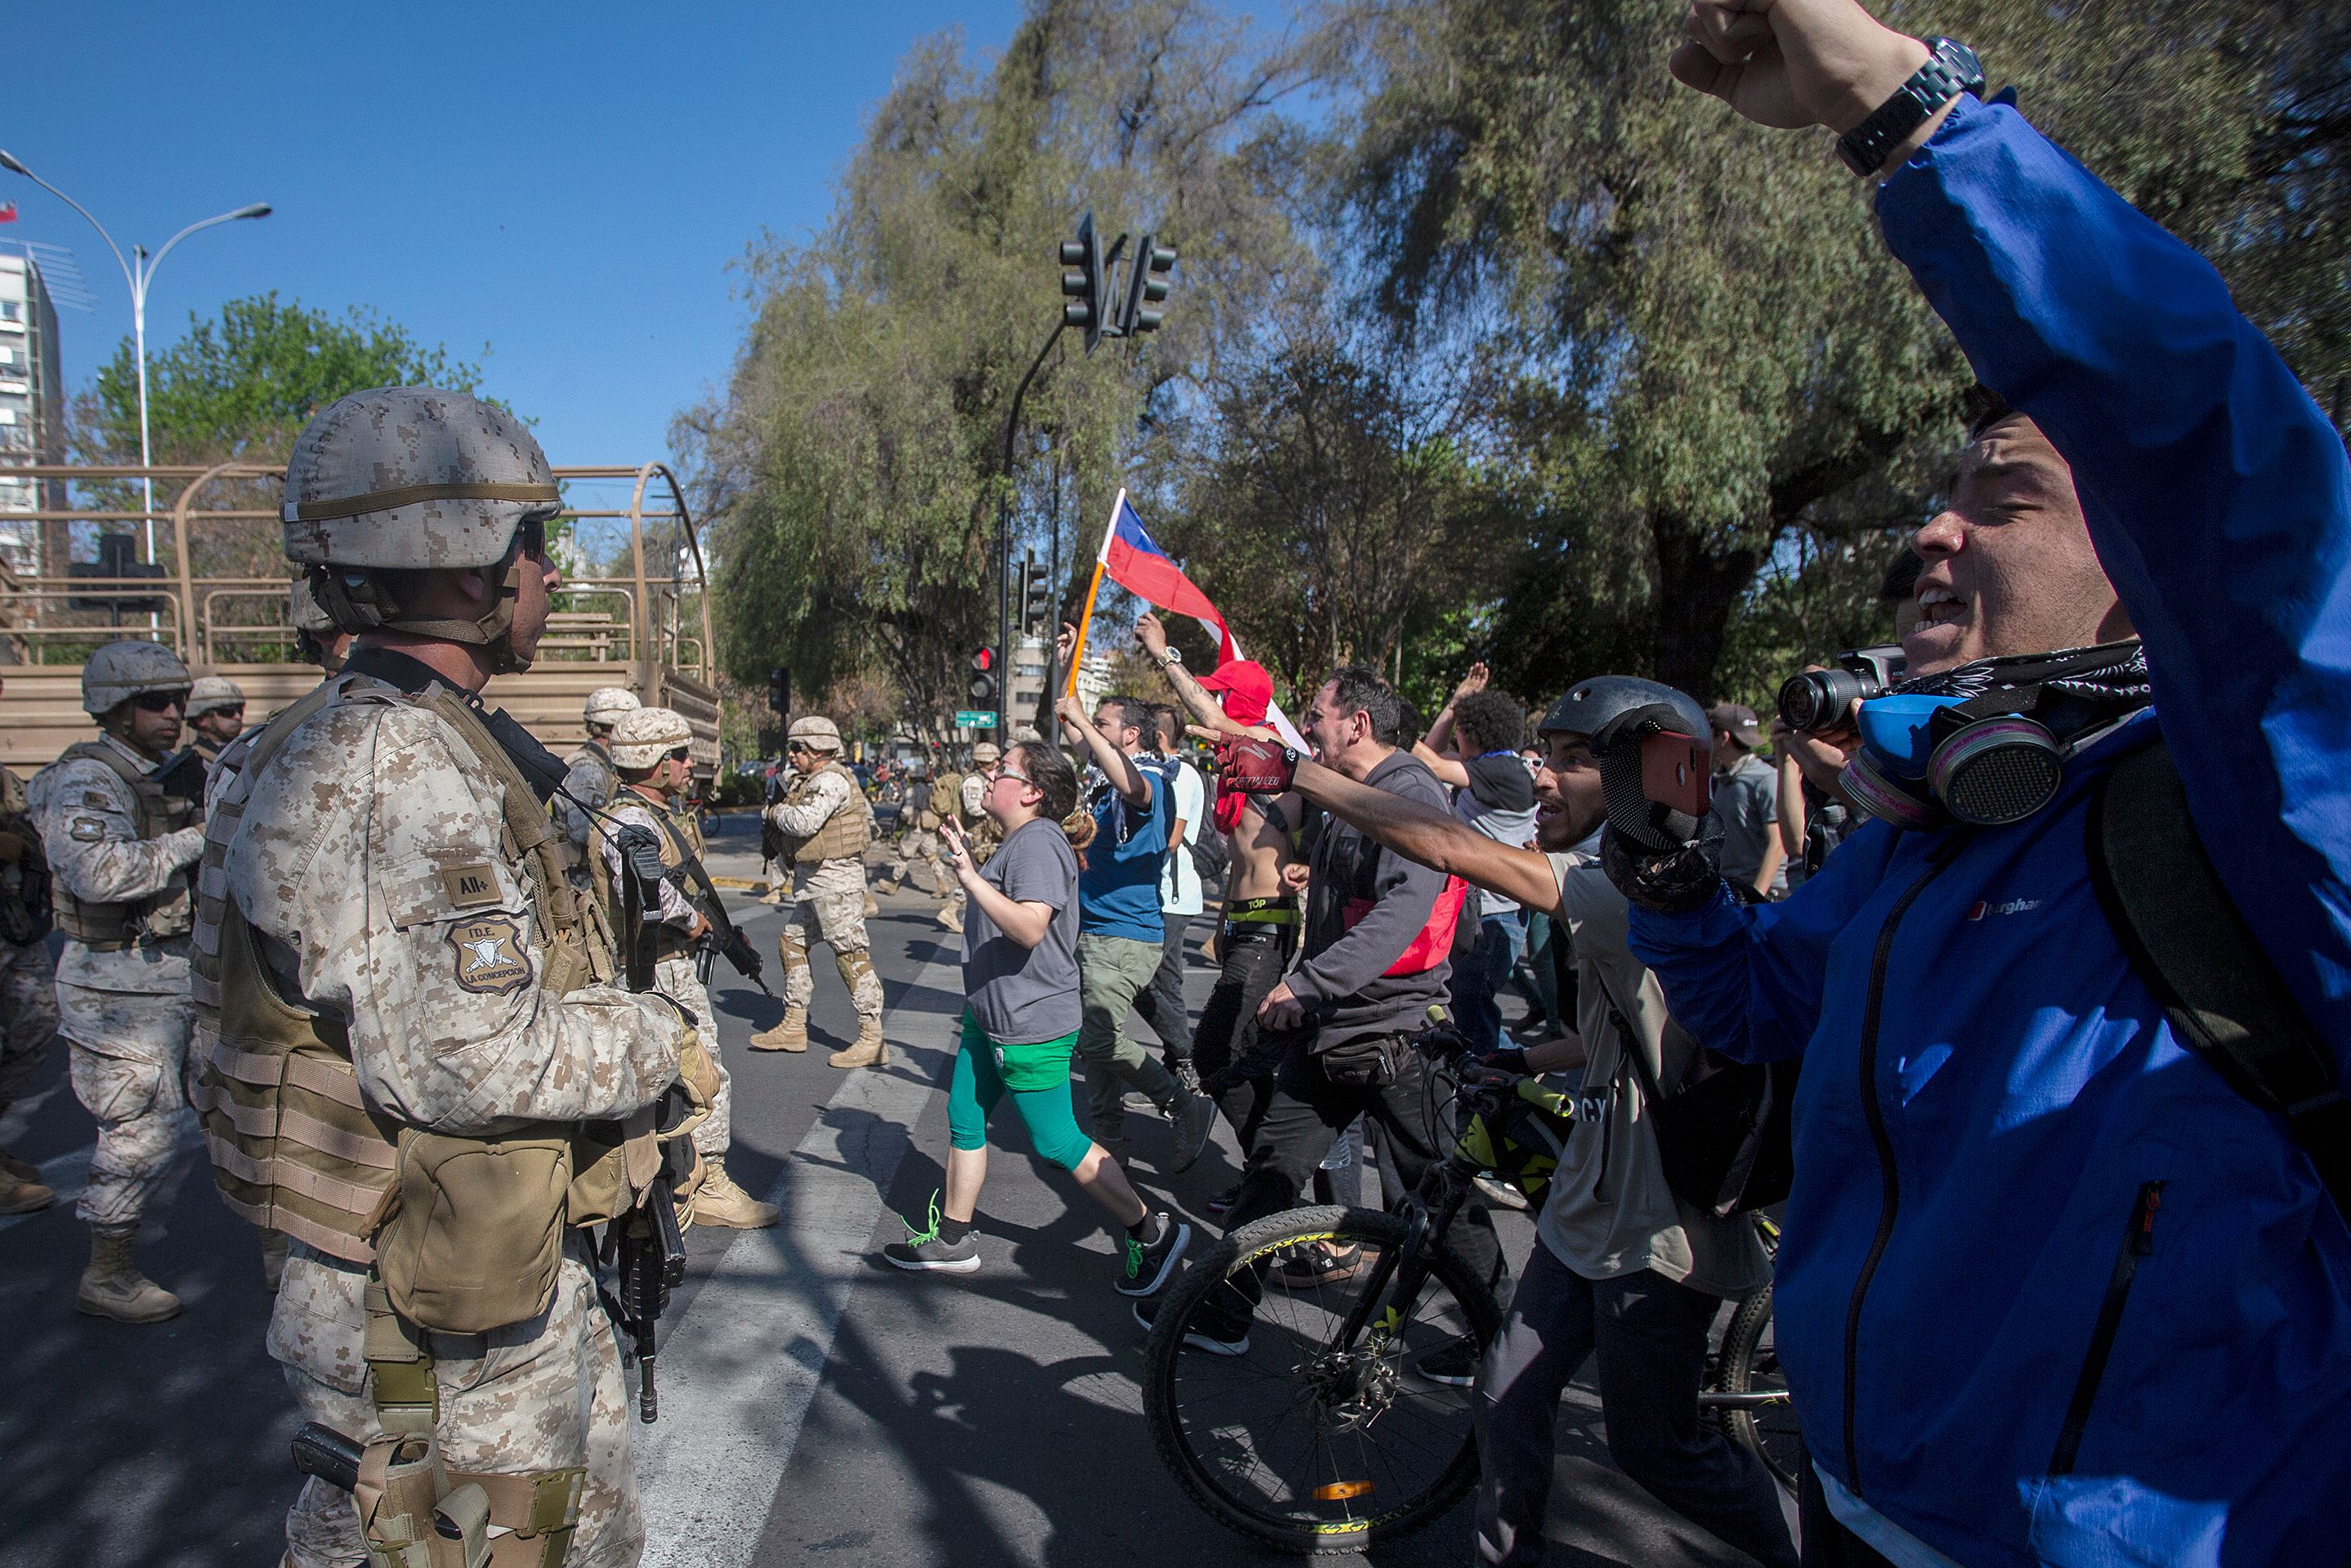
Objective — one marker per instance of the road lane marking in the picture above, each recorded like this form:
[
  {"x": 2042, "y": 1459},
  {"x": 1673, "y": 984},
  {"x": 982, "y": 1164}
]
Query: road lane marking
[{"x": 740, "y": 1369}]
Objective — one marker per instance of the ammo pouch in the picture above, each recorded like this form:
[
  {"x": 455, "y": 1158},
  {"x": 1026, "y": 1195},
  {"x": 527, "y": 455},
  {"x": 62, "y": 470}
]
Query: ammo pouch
[
  {"x": 478, "y": 1235},
  {"x": 416, "y": 1514},
  {"x": 1375, "y": 1061}
]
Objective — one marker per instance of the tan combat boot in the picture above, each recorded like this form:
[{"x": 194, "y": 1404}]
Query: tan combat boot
[
  {"x": 112, "y": 1286},
  {"x": 719, "y": 1201},
  {"x": 790, "y": 1034},
  {"x": 872, "y": 908},
  {"x": 867, "y": 1051},
  {"x": 18, "y": 1196},
  {"x": 950, "y": 919}
]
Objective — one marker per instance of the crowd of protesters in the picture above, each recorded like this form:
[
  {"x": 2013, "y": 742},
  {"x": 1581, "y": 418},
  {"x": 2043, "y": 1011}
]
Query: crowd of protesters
[{"x": 2065, "y": 1274}]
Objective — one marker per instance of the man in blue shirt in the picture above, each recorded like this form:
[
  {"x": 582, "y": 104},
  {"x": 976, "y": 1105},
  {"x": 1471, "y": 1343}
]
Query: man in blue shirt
[
  {"x": 1120, "y": 931},
  {"x": 2050, "y": 1291}
]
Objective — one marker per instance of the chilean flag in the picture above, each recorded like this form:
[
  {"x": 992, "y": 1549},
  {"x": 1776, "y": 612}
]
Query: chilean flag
[{"x": 1131, "y": 560}]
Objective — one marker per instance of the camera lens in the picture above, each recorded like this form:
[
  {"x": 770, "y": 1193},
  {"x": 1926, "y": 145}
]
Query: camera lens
[{"x": 1824, "y": 699}]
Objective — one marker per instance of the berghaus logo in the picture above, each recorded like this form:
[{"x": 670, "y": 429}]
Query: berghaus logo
[{"x": 2010, "y": 906}]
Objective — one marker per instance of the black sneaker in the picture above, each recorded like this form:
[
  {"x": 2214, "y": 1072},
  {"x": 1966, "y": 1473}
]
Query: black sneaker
[
  {"x": 1315, "y": 1264},
  {"x": 1147, "y": 1264},
  {"x": 1208, "y": 1328},
  {"x": 1195, "y": 1118},
  {"x": 1223, "y": 1202},
  {"x": 928, "y": 1252},
  {"x": 1456, "y": 1365}
]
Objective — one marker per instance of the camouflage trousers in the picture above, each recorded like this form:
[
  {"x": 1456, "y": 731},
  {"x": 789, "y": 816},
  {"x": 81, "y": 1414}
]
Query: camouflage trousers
[
  {"x": 675, "y": 977},
  {"x": 128, "y": 1054},
  {"x": 923, "y": 844},
  {"x": 28, "y": 1016},
  {"x": 830, "y": 896},
  {"x": 538, "y": 1395}
]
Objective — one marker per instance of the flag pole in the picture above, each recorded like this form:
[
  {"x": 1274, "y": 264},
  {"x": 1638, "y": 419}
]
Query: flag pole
[{"x": 1093, "y": 589}]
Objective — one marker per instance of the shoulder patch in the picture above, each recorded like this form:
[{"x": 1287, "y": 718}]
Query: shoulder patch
[
  {"x": 489, "y": 955},
  {"x": 88, "y": 829},
  {"x": 93, "y": 797},
  {"x": 470, "y": 886}
]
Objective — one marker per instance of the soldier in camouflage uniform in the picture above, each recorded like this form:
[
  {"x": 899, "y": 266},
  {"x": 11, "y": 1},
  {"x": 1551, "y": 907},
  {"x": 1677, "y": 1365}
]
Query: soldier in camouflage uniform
[
  {"x": 216, "y": 715},
  {"x": 826, "y": 822},
  {"x": 979, "y": 829},
  {"x": 926, "y": 809},
  {"x": 649, "y": 749},
  {"x": 588, "y": 783},
  {"x": 120, "y": 843},
  {"x": 386, "y": 911},
  {"x": 28, "y": 989}
]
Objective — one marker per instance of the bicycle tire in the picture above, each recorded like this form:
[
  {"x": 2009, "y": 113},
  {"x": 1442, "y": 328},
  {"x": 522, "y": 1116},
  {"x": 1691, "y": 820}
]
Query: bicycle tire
[
  {"x": 1742, "y": 1360},
  {"x": 1163, "y": 1357}
]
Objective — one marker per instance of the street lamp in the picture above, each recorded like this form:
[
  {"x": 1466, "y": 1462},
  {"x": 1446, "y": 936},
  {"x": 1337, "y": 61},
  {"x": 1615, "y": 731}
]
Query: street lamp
[{"x": 136, "y": 273}]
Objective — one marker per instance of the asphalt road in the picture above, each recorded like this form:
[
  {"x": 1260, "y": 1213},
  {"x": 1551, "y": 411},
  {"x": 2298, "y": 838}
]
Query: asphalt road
[{"x": 817, "y": 1404}]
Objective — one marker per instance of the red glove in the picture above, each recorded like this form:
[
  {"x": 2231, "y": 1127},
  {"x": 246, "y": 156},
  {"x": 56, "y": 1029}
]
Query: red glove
[{"x": 1256, "y": 767}]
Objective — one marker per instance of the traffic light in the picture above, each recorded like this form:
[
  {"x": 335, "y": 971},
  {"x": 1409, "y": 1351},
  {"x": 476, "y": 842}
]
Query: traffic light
[
  {"x": 1147, "y": 286},
  {"x": 982, "y": 686},
  {"x": 1082, "y": 279},
  {"x": 1036, "y": 597},
  {"x": 780, "y": 691}
]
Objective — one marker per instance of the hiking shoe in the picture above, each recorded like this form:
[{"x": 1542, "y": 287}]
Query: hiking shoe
[
  {"x": 1316, "y": 1264},
  {"x": 1456, "y": 1365},
  {"x": 1147, "y": 1264},
  {"x": 1195, "y": 1118},
  {"x": 1223, "y": 1202},
  {"x": 1209, "y": 1328}
]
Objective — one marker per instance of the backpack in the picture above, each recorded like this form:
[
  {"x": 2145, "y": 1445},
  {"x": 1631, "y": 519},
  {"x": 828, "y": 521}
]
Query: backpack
[
  {"x": 1212, "y": 855},
  {"x": 947, "y": 794},
  {"x": 1724, "y": 1133},
  {"x": 2224, "y": 999}
]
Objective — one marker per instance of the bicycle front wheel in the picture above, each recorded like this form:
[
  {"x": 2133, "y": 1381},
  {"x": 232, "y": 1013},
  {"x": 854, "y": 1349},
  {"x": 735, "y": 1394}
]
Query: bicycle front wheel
[
  {"x": 1750, "y": 1367},
  {"x": 1289, "y": 1435}
]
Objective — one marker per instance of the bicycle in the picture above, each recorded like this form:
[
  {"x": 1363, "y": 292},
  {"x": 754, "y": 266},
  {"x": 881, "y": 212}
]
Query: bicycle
[
  {"x": 1746, "y": 1392},
  {"x": 1365, "y": 1448}
]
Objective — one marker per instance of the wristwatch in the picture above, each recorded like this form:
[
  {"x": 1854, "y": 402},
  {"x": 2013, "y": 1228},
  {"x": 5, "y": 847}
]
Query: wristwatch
[
  {"x": 1174, "y": 656},
  {"x": 1951, "y": 68}
]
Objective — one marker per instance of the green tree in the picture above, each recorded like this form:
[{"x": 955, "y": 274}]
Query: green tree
[
  {"x": 1715, "y": 362},
  {"x": 852, "y": 466}
]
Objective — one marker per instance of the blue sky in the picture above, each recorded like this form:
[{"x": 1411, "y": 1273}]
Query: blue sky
[{"x": 567, "y": 184}]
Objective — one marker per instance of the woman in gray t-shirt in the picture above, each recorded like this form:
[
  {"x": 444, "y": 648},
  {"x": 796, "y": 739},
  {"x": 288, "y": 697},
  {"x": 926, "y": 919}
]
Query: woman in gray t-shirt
[{"x": 1020, "y": 1024}]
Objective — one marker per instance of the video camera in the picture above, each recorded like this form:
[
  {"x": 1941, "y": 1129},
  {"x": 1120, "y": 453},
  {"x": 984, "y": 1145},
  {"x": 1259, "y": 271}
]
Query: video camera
[{"x": 1829, "y": 699}]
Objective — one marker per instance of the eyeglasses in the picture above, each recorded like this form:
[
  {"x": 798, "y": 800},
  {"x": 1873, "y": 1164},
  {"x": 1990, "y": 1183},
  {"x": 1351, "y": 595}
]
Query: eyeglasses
[
  {"x": 530, "y": 538},
  {"x": 1003, "y": 773},
  {"x": 160, "y": 702},
  {"x": 797, "y": 746},
  {"x": 681, "y": 753},
  {"x": 230, "y": 712}
]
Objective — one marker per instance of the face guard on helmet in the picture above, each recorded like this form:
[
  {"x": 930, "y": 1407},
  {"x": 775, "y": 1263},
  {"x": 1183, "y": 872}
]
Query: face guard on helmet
[{"x": 414, "y": 479}]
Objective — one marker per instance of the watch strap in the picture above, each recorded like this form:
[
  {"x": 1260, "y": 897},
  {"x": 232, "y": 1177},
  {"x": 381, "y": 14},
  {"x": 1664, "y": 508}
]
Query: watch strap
[{"x": 1951, "y": 68}]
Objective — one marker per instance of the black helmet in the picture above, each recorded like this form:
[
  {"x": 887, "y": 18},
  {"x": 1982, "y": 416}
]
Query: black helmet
[{"x": 1587, "y": 709}]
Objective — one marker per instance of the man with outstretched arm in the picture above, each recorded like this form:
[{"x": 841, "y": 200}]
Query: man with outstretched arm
[
  {"x": 2054, "y": 1291},
  {"x": 1622, "y": 1265}
]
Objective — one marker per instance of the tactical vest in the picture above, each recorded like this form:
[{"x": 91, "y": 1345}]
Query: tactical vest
[
  {"x": 111, "y": 927},
  {"x": 680, "y": 843},
  {"x": 842, "y": 836},
  {"x": 296, "y": 1147},
  {"x": 24, "y": 899}
]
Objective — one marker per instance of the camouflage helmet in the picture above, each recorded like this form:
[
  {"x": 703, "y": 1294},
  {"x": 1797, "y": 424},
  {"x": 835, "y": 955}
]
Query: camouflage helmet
[
  {"x": 413, "y": 477},
  {"x": 816, "y": 732},
  {"x": 643, "y": 735},
  {"x": 118, "y": 671},
  {"x": 606, "y": 704},
  {"x": 987, "y": 754},
  {"x": 211, "y": 694}
]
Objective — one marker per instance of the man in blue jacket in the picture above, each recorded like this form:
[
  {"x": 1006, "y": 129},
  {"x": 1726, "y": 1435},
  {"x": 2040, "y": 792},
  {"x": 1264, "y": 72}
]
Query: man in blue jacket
[{"x": 2050, "y": 1291}]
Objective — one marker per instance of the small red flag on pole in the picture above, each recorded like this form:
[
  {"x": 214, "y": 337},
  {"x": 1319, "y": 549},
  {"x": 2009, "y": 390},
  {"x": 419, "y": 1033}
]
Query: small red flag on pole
[{"x": 7, "y": 212}]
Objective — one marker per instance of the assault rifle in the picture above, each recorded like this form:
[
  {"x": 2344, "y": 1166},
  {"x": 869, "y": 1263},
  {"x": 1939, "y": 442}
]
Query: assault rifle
[
  {"x": 726, "y": 937},
  {"x": 646, "y": 1244}
]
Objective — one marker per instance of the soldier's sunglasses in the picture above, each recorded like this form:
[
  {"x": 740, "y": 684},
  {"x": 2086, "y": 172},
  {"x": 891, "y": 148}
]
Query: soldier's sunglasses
[
  {"x": 681, "y": 753},
  {"x": 160, "y": 702}
]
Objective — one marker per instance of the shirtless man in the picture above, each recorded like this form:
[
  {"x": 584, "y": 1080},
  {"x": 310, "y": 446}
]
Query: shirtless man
[{"x": 1257, "y": 936}]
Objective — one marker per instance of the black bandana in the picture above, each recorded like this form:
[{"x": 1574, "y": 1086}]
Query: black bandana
[{"x": 2071, "y": 691}]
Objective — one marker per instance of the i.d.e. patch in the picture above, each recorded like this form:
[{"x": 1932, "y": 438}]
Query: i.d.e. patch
[
  {"x": 88, "y": 829},
  {"x": 470, "y": 886},
  {"x": 489, "y": 955}
]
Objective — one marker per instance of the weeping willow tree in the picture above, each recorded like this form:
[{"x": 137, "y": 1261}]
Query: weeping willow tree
[{"x": 853, "y": 466}]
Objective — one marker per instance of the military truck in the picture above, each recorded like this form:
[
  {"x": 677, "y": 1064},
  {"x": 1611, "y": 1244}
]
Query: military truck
[{"x": 92, "y": 558}]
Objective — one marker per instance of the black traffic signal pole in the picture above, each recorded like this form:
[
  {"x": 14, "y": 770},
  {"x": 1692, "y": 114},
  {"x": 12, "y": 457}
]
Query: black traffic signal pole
[{"x": 1004, "y": 543}]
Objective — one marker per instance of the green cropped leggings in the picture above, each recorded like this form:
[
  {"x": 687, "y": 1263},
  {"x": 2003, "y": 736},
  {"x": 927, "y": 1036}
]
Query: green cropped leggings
[{"x": 1035, "y": 1076}]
